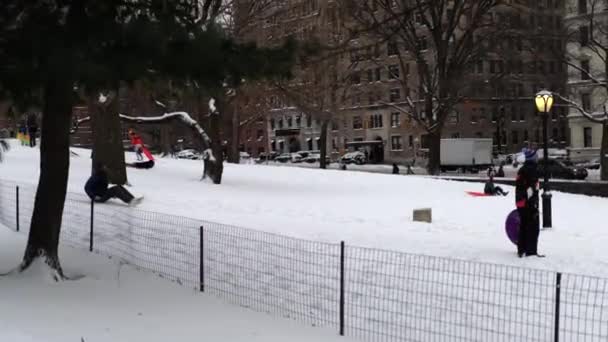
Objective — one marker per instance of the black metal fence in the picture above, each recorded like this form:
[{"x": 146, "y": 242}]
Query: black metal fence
[{"x": 370, "y": 294}]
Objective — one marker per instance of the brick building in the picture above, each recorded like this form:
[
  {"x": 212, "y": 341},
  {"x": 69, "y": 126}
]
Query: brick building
[{"x": 500, "y": 108}]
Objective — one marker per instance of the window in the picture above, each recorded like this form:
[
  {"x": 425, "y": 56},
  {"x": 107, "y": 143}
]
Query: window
[
  {"x": 356, "y": 78},
  {"x": 526, "y": 137},
  {"x": 474, "y": 119},
  {"x": 298, "y": 121},
  {"x": 334, "y": 125},
  {"x": 289, "y": 121},
  {"x": 522, "y": 115},
  {"x": 454, "y": 117},
  {"x": 308, "y": 121},
  {"x": 584, "y": 35},
  {"x": 393, "y": 72},
  {"x": 395, "y": 95},
  {"x": 395, "y": 120},
  {"x": 375, "y": 121},
  {"x": 585, "y": 70},
  {"x": 280, "y": 123},
  {"x": 334, "y": 144},
  {"x": 396, "y": 144},
  {"x": 479, "y": 67},
  {"x": 378, "y": 74},
  {"x": 456, "y": 135},
  {"x": 423, "y": 44},
  {"x": 582, "y": 6},
  {"x": 357, "y": 122},
  {"x": 392, "y": 48},
  {"x": 260, "y": 134},
  {"x": 411, "y": 141},
  {"x": 272, "y": 124},
  {"x": 370, "y": 75},
  {"x": 514, "y": 116},
  {"x": 515, "y": 137},
  {"x": 587, "y": 137},
  {"x": 586, "y": 100}
]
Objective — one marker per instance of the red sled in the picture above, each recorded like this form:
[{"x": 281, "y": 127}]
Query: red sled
[{"x": 478, "y": 194}]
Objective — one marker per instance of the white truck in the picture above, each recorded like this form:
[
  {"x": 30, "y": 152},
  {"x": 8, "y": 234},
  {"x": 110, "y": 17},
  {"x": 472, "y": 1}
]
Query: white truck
[{"x": 466, "y": 154}]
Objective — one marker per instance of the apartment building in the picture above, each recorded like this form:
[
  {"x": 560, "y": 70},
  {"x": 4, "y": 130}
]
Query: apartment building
[
  {"x": 499, "y": 105},
  {"x": 587, "y": 62}
]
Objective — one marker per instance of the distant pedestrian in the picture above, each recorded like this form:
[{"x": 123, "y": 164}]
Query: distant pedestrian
[
  {"x": 395, "y": 169},
  {"x": 32, "y": 128},
  {"x": 343, "y": 166},
  {"x": 501, "y": 172}
]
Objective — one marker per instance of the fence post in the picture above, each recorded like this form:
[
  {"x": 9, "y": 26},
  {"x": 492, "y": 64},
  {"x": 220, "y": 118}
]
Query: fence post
[
  {"x": 558, "y": 285},
  {"x": 92, "y": 225},
  {"x": 202, "y": 262},
  {"x": 17, "y": 207},
  {"x": 341, "y": 288}
]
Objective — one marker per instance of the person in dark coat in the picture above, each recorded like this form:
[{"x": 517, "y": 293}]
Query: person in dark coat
[
  {"x": 32, "y": 128},
  {"x": 97, "y": 187},
  {"x": 526, "y": 200},
  {"x": 501, "y": 172},
  {"x": 492, "y": 189},
  {"x": 395, "y": 169}
]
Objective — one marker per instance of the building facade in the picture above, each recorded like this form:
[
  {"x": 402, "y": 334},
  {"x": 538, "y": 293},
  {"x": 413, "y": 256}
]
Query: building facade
[
  {"x": 586, "y": 63},
  {"x": 500, "y": 106}
]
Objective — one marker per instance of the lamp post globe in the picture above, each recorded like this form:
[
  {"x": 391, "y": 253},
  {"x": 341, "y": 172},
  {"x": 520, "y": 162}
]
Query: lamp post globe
[{"x": 544, "y": 102}]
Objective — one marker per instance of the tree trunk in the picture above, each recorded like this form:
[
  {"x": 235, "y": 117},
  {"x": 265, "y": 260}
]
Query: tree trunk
[
  {"x": 107, "y": 139},
  {"x": 323, "y": 144},
  {"x": 234, "y": 155},
  {"x": 604, "y": 152},
  {"x": 43, "y": 240},
  {"x": 434, "y": 164},
  {"x": 214, "y": 168},
  {"x": 166, "y": 140}
]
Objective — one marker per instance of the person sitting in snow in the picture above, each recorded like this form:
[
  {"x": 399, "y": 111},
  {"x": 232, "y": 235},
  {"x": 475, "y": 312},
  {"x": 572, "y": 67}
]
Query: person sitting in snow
[
  {"x": 98, "y": 190},
  {"x": 137, "y": 143},
  {"x": 493, "y": 190}
]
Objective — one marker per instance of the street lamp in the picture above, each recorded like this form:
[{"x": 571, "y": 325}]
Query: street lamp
[{"x": 544, "y": 102}]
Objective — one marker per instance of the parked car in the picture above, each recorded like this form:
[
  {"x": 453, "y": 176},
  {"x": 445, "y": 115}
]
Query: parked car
[
  {"x": 283, "y": 158},
  {"x": 592, "y": 165},
  {"x": 357, "y": 157},
  {"x": 558, "y": 169},
  {"x": 188, "y": 154},
  {"x": 316, "y": 158},
  {"x": 244, "y": 156}
]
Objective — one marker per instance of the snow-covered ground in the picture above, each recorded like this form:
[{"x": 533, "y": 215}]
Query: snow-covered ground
[
  {"x": 363, "y": 209},
  {"x": 117, "y": 303}
]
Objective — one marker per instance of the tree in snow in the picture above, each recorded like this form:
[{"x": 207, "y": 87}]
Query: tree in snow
[
  {"x": 324, "y": 78},
  {"x": 47, "y": 48},
  {"x": 441, "y": 40}
]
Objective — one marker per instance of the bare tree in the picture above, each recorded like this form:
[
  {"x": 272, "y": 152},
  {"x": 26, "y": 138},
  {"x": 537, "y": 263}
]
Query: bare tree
[
  {"x": 441, "y": 39},
  {"x": 324, "y": 77}
]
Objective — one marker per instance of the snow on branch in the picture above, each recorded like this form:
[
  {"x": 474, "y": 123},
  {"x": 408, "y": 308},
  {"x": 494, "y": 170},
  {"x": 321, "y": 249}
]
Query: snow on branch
[
  {"x": 179, "y": 116},
  {"x": 590, "y": 116}
]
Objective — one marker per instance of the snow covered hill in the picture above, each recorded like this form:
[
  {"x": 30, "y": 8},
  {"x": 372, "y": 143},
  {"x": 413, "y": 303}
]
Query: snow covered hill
[{"x": 371, "y": 210}]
